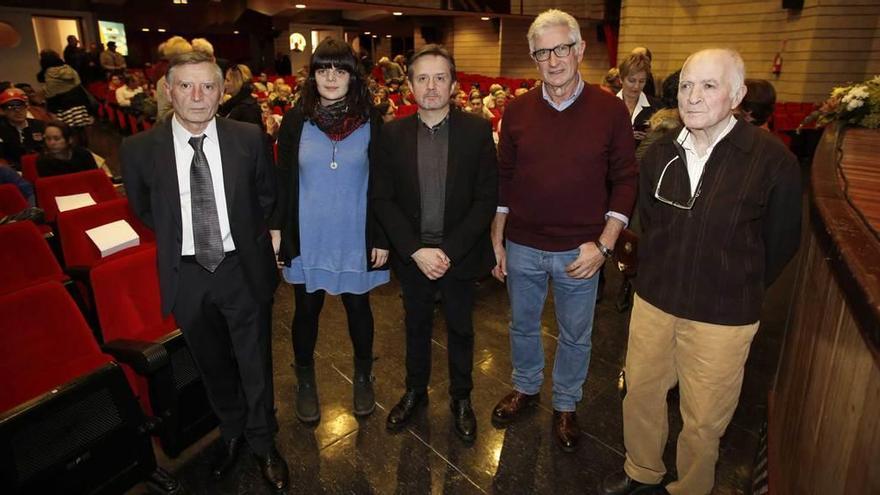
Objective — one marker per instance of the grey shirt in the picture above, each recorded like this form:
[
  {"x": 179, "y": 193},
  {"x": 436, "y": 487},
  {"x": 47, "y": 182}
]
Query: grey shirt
[{"x": 433, "y": 152}]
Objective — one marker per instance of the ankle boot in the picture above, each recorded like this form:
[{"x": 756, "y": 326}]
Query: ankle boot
[
  {"x": 307, "y": 409},
  {"x": 364, "y": 399}
]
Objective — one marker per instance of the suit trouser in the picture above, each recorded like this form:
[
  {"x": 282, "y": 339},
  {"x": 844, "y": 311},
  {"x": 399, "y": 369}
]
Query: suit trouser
[
  {"x": 229, "y": 336},
  {"x": 707, "y": 361},
  {"x": 458, "y": 304}
]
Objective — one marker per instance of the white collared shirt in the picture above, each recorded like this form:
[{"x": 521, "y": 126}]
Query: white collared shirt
[
  {"x": 642, "y": 103},
  {"x": 696, "y": 163},
  {"x": 183, "y": 156}
]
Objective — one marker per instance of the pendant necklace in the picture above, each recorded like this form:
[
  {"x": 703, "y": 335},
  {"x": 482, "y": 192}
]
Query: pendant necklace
[{"x": 333, "y": 164}]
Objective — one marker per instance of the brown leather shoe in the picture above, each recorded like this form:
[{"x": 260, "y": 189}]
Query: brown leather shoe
[
  {"x": 566, "y": 430},
  {"x": 511, "y": 406}
]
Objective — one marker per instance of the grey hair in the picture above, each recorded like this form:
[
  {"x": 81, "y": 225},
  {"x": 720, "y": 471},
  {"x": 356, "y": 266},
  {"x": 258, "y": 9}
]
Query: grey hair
[
  {"x": 737, "y": 79},
  {"x": 552, "y": 18},
  {"x": 192, "y": 58}
]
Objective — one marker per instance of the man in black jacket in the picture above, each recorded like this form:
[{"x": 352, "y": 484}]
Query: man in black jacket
[
  {"x": 19, "y": 135},
  {"x": 435, "y": 194},
  {"x": 720, "y": 206},
  {"x": 206, "y": 186}
]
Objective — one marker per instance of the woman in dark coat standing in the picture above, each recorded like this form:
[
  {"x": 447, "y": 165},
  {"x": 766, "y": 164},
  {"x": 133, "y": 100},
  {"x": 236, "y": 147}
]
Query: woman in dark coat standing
[
  {"x": 328, "y": 240},
  {"x": 242, "y": 106}
]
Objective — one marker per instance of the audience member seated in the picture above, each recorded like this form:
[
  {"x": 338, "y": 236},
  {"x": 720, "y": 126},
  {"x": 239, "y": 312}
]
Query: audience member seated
[
  {"x": 634, "y": 73},
  {"x": 10, "y": 176},
  {"x": 240, "y": 105},
  {"x": 282, "y": 95},
  {"x": 758, "y": 104},
  {"x": 489, "y": 99},
  {"x": 125, "y": 93},
  {"x": 611, "y": 82},
  {"x": 461, "y": 99},
  {"x": 19, "y": 135},
  {"x": 61, "y": 155},
  {"x": 500, "y": 100},
  {"x": 36, "y": 103},
  {"x": 386, "y": 110},
  {"x": 391, "y": 70},
  {"x": 476, "y": 106}
]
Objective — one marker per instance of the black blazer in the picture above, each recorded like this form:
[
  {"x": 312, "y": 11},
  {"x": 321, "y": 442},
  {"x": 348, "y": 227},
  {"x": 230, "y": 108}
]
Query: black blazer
[
  {"x": 286, "y": 218},
  {"x": 150, "y": 174},
  {"x": 471, "y": 192}
]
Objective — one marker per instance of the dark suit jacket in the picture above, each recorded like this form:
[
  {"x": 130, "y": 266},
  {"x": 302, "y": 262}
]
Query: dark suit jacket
[
  {"x": 471, "y": 192},
  {"x": 150, "y": 174}
]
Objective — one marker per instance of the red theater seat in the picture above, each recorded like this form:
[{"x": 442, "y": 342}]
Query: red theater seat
[
  {"x": 157, "y": 360},
  {"x": 26, "y": 258},
  {"x": 69, "y": 422},
  {"x": 11, "y": 200},
  {"x": 94, "y": 182},
  {"x": 29, "y": 167},
  {"x": 77, "y": 246}
]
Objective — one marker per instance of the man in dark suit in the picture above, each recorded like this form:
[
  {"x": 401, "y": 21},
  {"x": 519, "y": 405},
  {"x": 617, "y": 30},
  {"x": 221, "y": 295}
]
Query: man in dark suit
[
  {"x": 205, "y": 185},
  {"x": 435, "y": 193}
]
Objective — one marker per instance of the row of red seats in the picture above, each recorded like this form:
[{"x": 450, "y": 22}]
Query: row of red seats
[
  {"x": 125, "y": 295},
  {"x": 109, "y": 111}
]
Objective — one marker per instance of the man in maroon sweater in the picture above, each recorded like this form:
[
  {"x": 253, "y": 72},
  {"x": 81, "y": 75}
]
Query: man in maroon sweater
[{"x": 567, "y": 184}]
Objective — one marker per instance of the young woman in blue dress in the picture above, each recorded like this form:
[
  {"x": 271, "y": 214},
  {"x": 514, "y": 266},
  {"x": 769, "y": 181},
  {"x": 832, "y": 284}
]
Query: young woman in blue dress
[{"x": 327, "y": 239}]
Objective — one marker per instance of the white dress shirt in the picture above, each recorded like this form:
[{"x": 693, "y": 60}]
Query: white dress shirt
[
  {"x": 696, "y": 163},
  {"x": 183, "y": 156},
  {"x": 642, "y": 103}
]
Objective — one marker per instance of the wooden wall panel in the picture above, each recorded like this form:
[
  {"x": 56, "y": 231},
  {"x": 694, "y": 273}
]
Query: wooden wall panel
[
  {"x": 824, "y": 433},
  {"x": 828, "y": 42},
  {"x": 475, "y": 46}
]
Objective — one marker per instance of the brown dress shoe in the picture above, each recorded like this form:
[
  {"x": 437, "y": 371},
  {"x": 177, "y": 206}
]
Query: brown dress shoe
[
  {"x": 511, "y": 405},
  {"x": 566, "y": 430},
  {"x": 274, "y": 469}
]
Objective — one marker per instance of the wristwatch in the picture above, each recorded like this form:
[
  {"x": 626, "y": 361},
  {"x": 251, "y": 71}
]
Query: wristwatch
[{"x": 605, "y": 250}]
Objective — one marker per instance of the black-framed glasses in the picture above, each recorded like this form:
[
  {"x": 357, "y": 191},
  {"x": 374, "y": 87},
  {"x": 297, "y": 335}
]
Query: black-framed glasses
[
  {"x": 16, "y": 105},
  {"x": 560, "y": 51},
  {"x": 689, "y": 204}
]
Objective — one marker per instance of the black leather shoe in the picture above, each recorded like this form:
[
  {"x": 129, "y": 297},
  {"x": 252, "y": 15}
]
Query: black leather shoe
[
  {"x": 464, "y": 419},
  {"x": 274, "y": 469},
  {"x": 227, "y": 458},
  {"x": 620, "y": 483},
  {"x": 567, "y": 430},
  {"x": 400, "y": 414}
]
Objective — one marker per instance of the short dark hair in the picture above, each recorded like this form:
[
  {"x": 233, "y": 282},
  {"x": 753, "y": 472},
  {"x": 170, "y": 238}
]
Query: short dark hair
[
  {"x": 431, "y": 49},
  {"x": 333, "y": 53},
  {"x": 760, "y": 100},
  {"x": 61, "y": 126},
  {"x": 192, "y": 58}
]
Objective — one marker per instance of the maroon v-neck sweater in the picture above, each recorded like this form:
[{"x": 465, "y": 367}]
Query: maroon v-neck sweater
[{"x": 559, "y": 173}]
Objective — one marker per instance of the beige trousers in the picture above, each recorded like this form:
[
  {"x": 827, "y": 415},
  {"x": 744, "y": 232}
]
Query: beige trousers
[{"x": 707, "y": 362}]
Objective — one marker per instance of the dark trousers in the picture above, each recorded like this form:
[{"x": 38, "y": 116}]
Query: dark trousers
[
  {"x": 304, "y": 331},
  {"x": 229, "y": 336},
  {"x": 458, "y": 304}
]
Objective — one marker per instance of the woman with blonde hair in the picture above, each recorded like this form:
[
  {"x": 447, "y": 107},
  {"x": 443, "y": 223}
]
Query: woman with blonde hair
[{"x": 241, "y": 104}]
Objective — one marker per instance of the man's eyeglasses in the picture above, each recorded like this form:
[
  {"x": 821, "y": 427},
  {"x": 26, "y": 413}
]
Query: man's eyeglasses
[
  {"x": 560, "y": 51},
  {"x": 14, "y": 106},
  {"x": 689, "y": 204}
]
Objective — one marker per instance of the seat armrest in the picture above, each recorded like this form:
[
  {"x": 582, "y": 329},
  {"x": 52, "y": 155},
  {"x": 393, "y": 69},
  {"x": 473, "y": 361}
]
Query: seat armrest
[{"x": 144, "y": 357}]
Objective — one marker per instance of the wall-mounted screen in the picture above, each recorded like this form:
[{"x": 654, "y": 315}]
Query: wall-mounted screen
[{"x": 113, "y": 31}]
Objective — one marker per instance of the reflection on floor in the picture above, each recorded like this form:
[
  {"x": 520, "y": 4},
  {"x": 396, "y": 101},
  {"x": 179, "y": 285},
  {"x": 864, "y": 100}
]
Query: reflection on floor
[{"x": 345, "y": 455}]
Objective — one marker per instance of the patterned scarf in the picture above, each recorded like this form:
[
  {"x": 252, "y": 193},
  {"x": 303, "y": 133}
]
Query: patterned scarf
[{"x": 334, "y": 121}]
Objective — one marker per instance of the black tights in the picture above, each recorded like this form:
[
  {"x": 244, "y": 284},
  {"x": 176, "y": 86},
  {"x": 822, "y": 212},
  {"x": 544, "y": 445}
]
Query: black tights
[{"x": 304, "y": 330}]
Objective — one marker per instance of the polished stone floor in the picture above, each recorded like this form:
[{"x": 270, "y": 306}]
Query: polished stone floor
[{"x": 344, "y": 455}]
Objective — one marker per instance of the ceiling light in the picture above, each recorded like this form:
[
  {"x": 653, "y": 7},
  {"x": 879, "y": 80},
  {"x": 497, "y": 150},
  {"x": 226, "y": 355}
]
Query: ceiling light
[
  {"x": 300, "y": 5},
  {"x": 161, "y": 30},
  {"x": 374, "y": 36},
  {"x": 397, "y": 13},
  {"x": 235, "y": 32},
  {"x": 146, "y": 30},
  {"x": 484, "y": 18},
  {"x": 367, "y": 32},
  {"x": 387, "y": 35}
]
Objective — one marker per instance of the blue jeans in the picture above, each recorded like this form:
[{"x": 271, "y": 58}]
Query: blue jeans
[{"x": 528, "y": 271}]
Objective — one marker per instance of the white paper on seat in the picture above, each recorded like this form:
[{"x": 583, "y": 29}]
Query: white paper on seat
[
  {"x": 74, "y": 201},
  {"x": 113, "y": 237}
]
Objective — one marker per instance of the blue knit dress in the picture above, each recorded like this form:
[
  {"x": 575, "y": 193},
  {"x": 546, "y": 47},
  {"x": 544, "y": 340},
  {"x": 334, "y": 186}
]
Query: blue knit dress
[{"x": 332, "y": 215}]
